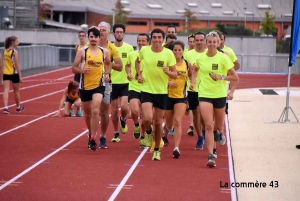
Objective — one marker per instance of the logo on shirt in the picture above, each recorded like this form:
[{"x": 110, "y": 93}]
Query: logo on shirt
[
  {"x": 95, "y": 63},
  {"x": 124, "y": 55},
  {"x": 160, "y": 63},
  {"x": 214, "y": 67},
  {"x": 181, "y": 72}
]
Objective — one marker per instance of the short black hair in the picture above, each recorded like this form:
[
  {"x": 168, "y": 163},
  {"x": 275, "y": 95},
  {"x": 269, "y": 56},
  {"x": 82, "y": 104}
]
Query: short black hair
[
  {"x": 144, "y": 34},
  {"x": 118, "y": 26},
  {"x": 95, "y": 31},
  {"x": 200, "y": 33},
  {"x": 157, "y": 30},
  {"x": 171, "y": 36},
  {"x": 171, "y": 45},
  {"x": 172, "y": 26}
]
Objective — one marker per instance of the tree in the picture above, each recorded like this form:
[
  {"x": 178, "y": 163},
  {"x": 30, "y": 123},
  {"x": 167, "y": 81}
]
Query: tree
[
  {"x": 120, "y": 14},
  {"x": 190, "y": 19},
  {"x": 268, "y": 24}
]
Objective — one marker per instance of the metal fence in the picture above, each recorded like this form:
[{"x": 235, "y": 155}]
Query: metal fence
[
  {"x": 277, "y": 63},
  {"x": 38, "y": 56}
]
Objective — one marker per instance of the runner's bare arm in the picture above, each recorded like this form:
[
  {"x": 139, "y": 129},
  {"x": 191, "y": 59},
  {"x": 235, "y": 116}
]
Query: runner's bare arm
[
  {"x": 61, "y": 103},
  {"x": 16, "y": 60},
  {"x": 117, "y": 65},
  {"x": 1, "y": 72},
  {"x": 76, "y": 64},
  {"x": 108, "y": 64},
  {"x": 170, "y": 71}
]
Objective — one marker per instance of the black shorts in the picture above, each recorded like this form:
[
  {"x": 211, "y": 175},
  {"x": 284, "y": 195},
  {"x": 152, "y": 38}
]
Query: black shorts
[
  {"x": 134, "y": 95},
  {"x": 193, "y": 100},
  {"x": 70, "y": 100},
  {"x": 158, "y": 100},
  {"x": 172, "y": 101},
  {"x": 216, "y": 102},
  {"x": 119, "y": 90},
  {"x": 77, "y": 77},
  {"x": 87, "y": 95},
  {"x": 14, "y": 78}
]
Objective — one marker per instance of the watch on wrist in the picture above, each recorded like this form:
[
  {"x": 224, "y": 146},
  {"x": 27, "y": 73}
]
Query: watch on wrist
[{"x": 222, "y": 77}]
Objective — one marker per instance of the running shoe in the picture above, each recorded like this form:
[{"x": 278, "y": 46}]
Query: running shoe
[
  {"x": 156, "y": 156},
  {"x": 116, "y": 138},
  {"x": 166, "y": 141},
  {"x": 148, "y": 139},
  {"x": 216, "y": 136},
  {"x": 79, "y": 113},
  {"x": 71, "y": 113},
  {"x": 93, "y": 145},
  {"x": 215, "y": 153},
  {"x": 190, "y": 131},
  {"x": 200, "y": 143},
  {"x": 211, "y": 162},
  {"x": 123, "y": 124},
  {"x": 176, "y": 153},
  {"x": 142, "y": 143},
  {"x": 6, "y": 111},
  {"x": 20, "y": 109},
  {"x": 136, "y": 132},
  {"x": 161, "y": 145},
  {"x": 172, "y": 132},
  {"x": 222, "y": 140},
  {"x": 102, "y": 143}
]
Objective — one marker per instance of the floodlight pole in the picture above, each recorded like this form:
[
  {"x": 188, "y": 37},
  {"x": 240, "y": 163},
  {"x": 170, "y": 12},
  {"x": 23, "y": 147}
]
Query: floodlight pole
[{"x": 285, "y": 114}]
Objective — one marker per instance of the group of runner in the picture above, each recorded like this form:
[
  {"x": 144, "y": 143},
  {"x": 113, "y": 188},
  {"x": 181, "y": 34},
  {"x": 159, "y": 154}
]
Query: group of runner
[
  {"x": 155, "y": 82},
  {"x": 158, "y": 83}
]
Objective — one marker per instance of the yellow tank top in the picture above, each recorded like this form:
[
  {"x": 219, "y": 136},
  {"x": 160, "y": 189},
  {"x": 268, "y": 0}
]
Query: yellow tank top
[
  {"x": 73, "y": 96},
  {"x": 9, "y": 65},
  {"x": 180, "y": 91},
  {"x": 95, "y": 78}
]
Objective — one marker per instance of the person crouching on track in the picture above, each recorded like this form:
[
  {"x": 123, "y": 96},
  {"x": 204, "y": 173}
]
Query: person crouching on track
[{"x": 70, "y": 97}]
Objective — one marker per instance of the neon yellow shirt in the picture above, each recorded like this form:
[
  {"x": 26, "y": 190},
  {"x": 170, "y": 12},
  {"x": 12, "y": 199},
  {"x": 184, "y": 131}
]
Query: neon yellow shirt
[
  {"x": 191, "y": 56},
  {"x": 155, "y": 80},
  {"x": 118, "y": 77},
  {"x": 218, "y": 64},
  {"x": 230, "y": 52},
  {"x": 133, "y": 84}
]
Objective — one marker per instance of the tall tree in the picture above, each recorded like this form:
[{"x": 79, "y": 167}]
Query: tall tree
[
  {"x": 189, "y": 19},
  {"x": 120, "y": 14},
  {"x": 268, "y": 24}
]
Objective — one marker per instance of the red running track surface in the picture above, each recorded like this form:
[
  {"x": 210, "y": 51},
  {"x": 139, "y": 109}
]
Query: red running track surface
[{"x": 76, "y": 173}]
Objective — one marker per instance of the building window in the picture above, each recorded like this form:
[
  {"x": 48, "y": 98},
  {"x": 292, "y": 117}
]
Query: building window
[
  {"x": 137, "y": 23},
  {"x": 165, "y": 24}
]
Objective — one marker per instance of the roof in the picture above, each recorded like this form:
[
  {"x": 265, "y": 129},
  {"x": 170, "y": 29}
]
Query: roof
[{"x": 171, "y": 9}]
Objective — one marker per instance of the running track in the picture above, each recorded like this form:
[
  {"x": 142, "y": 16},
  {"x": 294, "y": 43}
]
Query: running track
[{"x": 46, "y": 158}]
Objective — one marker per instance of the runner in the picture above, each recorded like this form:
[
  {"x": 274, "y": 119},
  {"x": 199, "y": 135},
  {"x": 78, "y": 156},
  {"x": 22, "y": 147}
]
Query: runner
[
  {"x": 191, "y": 42},
  {"x": 82, "y": 43},
  {"x": 11, "y": 73},
  {"x": 92, "y": 80},
  {"x": 117, "y": 66},
  {"x": 159, "y": 65},
  {"x": 134, "y": 93},
  {"x": 191, "y": 56},
  {"x": 120, "y": 84},
  {"x": 70, "y": 97},
  {"x": 176, "y": 102},
  {"x": 215, "y": 69}
]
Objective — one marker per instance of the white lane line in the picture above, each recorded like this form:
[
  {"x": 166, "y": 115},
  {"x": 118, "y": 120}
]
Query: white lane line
[
  {"x": 42, "y": 117},
  {"x": 41, "y": 84},
  {"x": 41, "y": 161},
  {"x": 55, "y": 92},
  {"x": 230, "y": 161},
  {"x": 51, "y": 71},
  {"x": 124, "y": 180}
]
